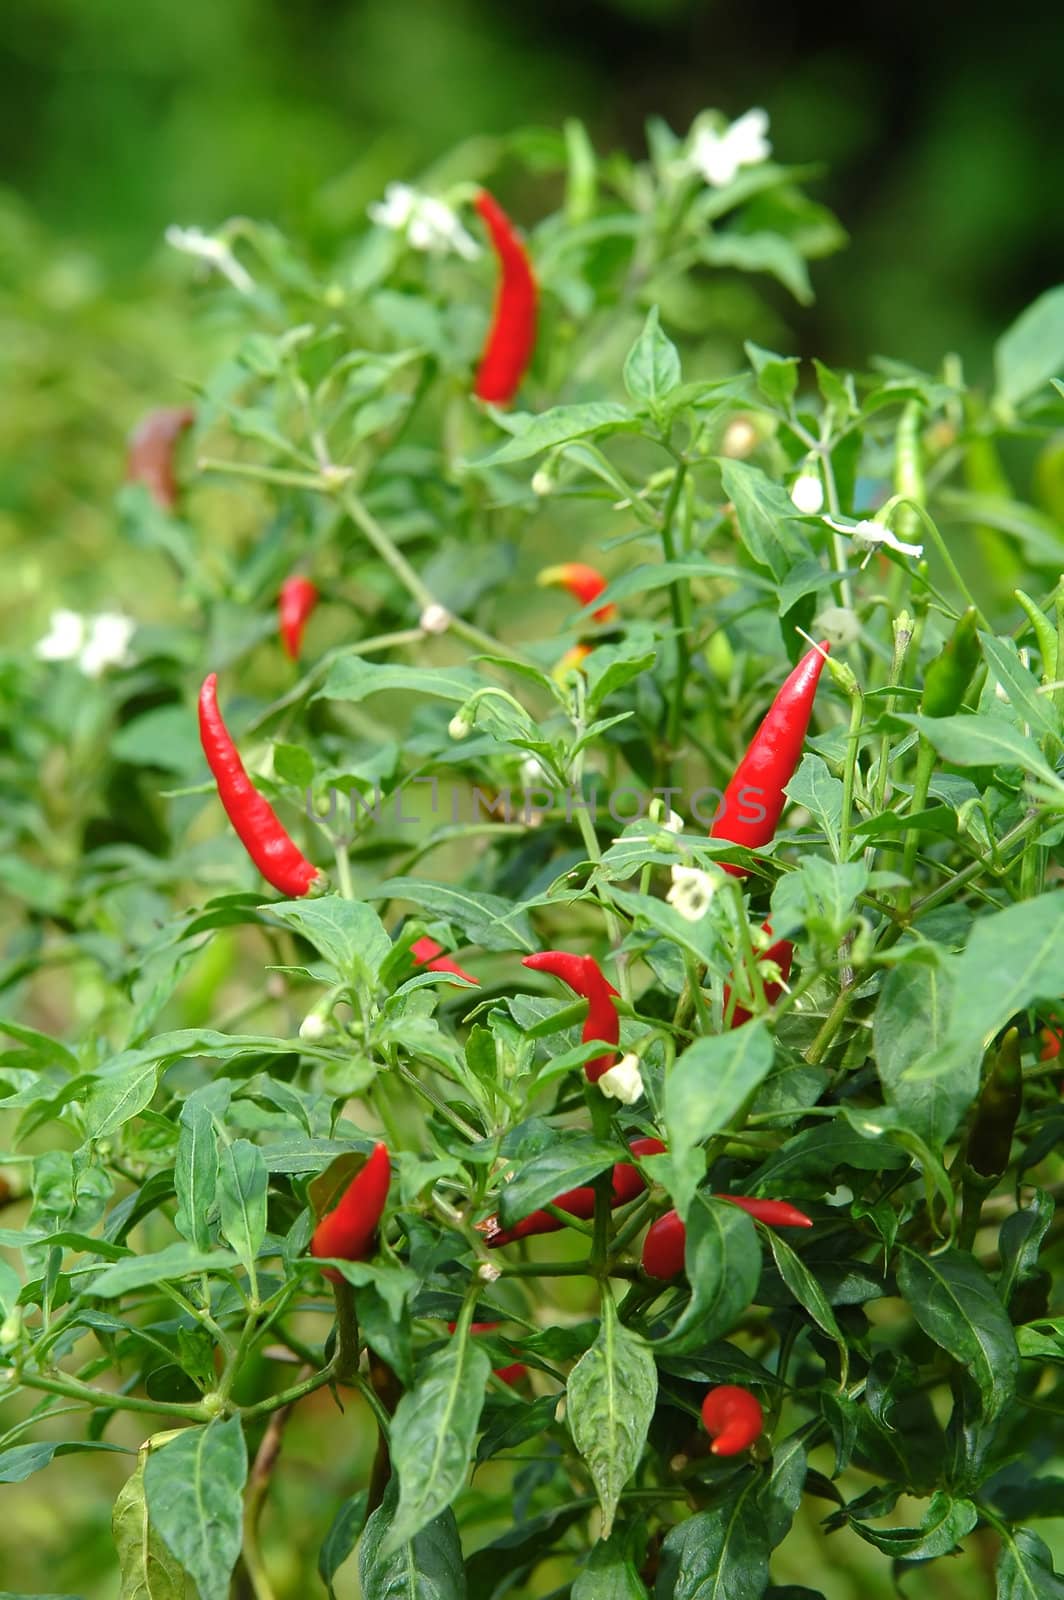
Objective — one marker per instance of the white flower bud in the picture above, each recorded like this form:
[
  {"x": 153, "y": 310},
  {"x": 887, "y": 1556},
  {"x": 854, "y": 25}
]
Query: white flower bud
[
  {"x": 623, "y": 1082},
  {"x": 459, "y": 726},
  {"x": 488, "y": 1272},
  {"x": 807, "y": 492},
  {"x": 313, "y": 1026},
  {"x": 435, "y": 618},
  {"x": 740, "y": 438},
  {"x": 542, "y": 482},
  {"x": 840, "y": 624}
]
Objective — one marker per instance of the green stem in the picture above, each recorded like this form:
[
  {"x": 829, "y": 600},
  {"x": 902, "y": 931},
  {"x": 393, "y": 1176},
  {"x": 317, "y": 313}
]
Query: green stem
[
  {"x": 925, "y": 766},
  {"x": 680, "y": 601},
  {"x": 853, "y": 742},
  {"x": 74, "y": 1389},
  {"x": 345, "y": 1362}
]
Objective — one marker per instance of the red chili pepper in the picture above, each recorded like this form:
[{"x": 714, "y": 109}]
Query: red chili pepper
[
  {"x": 769, "y": 763},
  {"x": 512, "y": 335},
  {"x": 782, "y": 954},
  {"x": 347, "y": 1232},
  {"x": 1052, "y": 1039},
  {"x": 586, "y": 978},
  {"x": 583, "y": 583},
  {"x": 733, "y": 1418},
  {"x": 510, "y": 1374},
  {"x": 428, "y": 954},
  {"x": 571, "y": 661},
  {"x": 666, "y": 1240},
  {"x": 277, "y": 857},
  {"x": 296, "y": 601},
  {"x": 627, "y": 1183},
  {"x": 150, "y": 453}
]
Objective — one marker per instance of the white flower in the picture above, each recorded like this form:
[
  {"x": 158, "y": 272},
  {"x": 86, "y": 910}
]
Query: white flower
[
  {"x": 459, "y": 727},
  {"x": 64, "y": 639},
  {"x": 108, "y": 644},
  {"x": 672, "y": 822},
  {"x": 206, "y": 247},
  {"x": 718, "y": 156},
  {"x": 533, "y": 771},
  {"x": 692, "y": 890},
  {"x": 807, "y": 492},
  {"x": 428, "y": 223},
  {"x": 96, "y": 645},
  {"x": 488, "y": 1272},
  {"x": 313, "y": 1026},
  {"x": 840, "y": 624},
  {"x": 623, "y": 1082},
  {"x": 867, "y": 534},
  {"x": 435, "y": 618},
  {"x": 739, "y": 439}
]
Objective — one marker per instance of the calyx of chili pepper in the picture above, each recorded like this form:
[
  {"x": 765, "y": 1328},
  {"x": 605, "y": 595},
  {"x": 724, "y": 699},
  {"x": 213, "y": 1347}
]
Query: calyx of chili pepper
[
  {"x": 949, "y": 674},
  {"x": 781, "y": 954},
  {"x": 733, "y": 1418},
  {"x": 296, "y": 602},
  {"x": 666, "y": 1240},
  {"x": 586, "y": 978},
  {"x": 257, "y": 825},
  {"x": 511, "y": 1374},
  {"x": 150, "y": 453},
  {"x": 428, "y": 954},
  {"x": 348, "y": 1231},
  {"x": 996, "y": 1112},
  {"x": 627, "y": 1183},
  {"x": 754, "y": 798},
  {"x": 512, "y": 335},
  {"x": 584, "y": 583}
]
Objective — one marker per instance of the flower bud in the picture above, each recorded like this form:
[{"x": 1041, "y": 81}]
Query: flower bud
[
  {"x": 807, "y": 491},
  {"x": 435, "y": 618},
  {"x": 459, "y": 726}
]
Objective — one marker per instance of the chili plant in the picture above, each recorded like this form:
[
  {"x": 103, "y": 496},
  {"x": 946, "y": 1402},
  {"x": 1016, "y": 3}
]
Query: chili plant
[{"x": 594, "y": 1286}]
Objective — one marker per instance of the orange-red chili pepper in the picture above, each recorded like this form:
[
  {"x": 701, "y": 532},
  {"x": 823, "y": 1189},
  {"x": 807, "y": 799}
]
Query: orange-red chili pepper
[
  {"x": 1052, "y": 1039},
  {"x": 276, "y": 855},
  {"x": 296, "y": 602},
  {"x": 626, "y": 1184},
  {"x": 666, "y": 1240},
  {"x": 586, "y": 978},
  {"x": 428, "y": 954},
  {"x": 348, "y": 1231},
  {"x": 782, "y": 954},
  {"x": 584, "y": 583},
  {"x": 511, "y": 1374},
  {"x": 512, "y": 334},
  {"x": 150, "y": 453},
  {"x": 733, "y": 1418},
  {"x": 754, "y": 798}
]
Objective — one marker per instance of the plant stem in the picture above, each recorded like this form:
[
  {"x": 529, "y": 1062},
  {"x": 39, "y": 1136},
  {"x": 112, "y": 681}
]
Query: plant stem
[
  {"x": 258, "y": 1487},
  {"x": 74, "y": 1389},
  {"x": 680, "y": 601},
  {"x": 849, "y": 771}
]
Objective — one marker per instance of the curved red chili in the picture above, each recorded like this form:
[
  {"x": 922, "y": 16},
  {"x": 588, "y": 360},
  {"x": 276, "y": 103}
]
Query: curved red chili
[
  {"x": 347, "y": 1232},
  {"x": 150, "y": 453},
  {"x": 428, "y": 954},
  {"x": 586, "y": 978},
  {"x": 733, "y": 1418},
  {"x": 754, "y": 798},
  {"x": 666, "y": 1240},
  {"x": 626, "y": 1184},
  {"x": 511, "y": 1374},
  {"x": 1052, "y": 1039},
  {"x": 782, "y": 954},
  {"x": 512, "y": 335},
  {"x": 296, "y": 602},
  {"x": 258, "y": 827},
  {"x": 584, "y": 583}
]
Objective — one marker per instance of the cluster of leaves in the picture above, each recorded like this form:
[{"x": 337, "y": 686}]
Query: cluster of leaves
[{"x": 170, "y": 1161}]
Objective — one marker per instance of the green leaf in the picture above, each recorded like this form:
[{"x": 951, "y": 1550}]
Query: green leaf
[
  {"x": 242, "y": 1183},
  {"x": 652, "y": 366},
  {"x": 355, "y": 679},
  {"x": 814, "y": 787},
  {"x": 432, "y": 1436},
  {"x": 428, "y": 1567},
  {"x": 194, "y": 1490},
  {"x": 781, "y": 1496},
  {"x": 558, "y": 426},
  {"x": 176, "y": 1261},
  {"x": 149, "y": 1571},
  {"x": 1011, "y": 960},
  {"x": 1019, "y": 1242},
  {"x": 196, "y": 1164},
  {"x": 911, "y": 1021},
  {"x": 809, "y": 1295},
  {"x": 116, "y": 1096},
  {"x": 722, "y": 1263},
  {"x": 20, "y": 1462},
  {"x": 348, "y": 933},
  {"x": 611, "y": 1395},
  {"x": 777, "y": 376},
  {"x": 485, "y": 919},
  {"x": 717, "y": 1555},
  {"x": 1020, "y": 686},
  {"x": 574, "y": 1159},
  {"x": 945, "y": 1524},
  {"x": 610, "y": 1574},
  {"x": 815, "y": 1154},
  {"x": 760, "y": 252},
  {"x": 765, "y": 516},
  {"x": 704, "y": 1090},
  {"x": 1025, "y": 1569},
  {"x": 954, "y": 1302},
  {"x": 973, "y": 740},
  {"x": 1031, "y": 351},
  {"x": 820, "y": 896},
  {"x": 341, "y": 1538}
]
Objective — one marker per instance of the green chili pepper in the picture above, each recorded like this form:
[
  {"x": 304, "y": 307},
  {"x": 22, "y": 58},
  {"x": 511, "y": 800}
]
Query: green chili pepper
[
  {"x": 1045, "y": 633},
  {"x": 909, "y": 469},
  {"x": 950, "y": 673},
  {"x": 998, "y": 1108}
]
